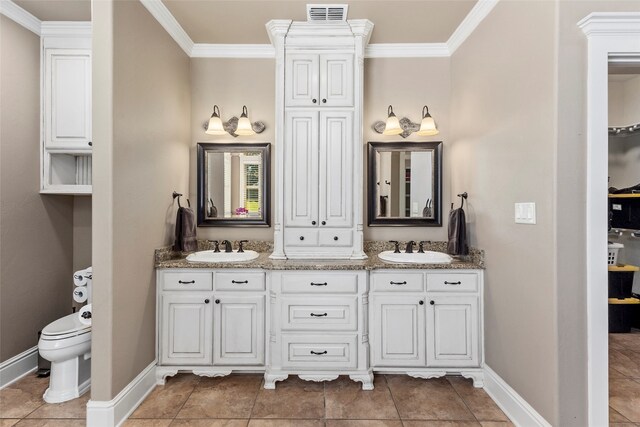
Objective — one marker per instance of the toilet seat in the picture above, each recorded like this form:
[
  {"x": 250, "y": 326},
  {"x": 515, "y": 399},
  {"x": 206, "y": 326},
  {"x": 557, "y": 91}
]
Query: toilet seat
[{"x": 65, "y": 327}]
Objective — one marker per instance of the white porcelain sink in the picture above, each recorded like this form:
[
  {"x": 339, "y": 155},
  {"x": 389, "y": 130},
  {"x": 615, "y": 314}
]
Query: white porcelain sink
[
  {"x": 211, "y": 256},
  {"x": 428, "y": 257}
]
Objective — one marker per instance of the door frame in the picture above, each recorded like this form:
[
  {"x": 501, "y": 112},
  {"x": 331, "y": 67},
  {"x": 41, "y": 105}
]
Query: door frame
[{"x": 611, "y": 36}]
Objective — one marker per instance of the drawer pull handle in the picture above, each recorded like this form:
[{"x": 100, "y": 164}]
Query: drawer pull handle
[
  {"x": 186, "y": 283},
  {"x": 318, "y": 284},
  {"x": 318, "y": 315},
  {"x": 239, "y": 282},
  {"x": 452, "y": 283},
  {"x": 318, "y": 353},
  {"x": 398, "y": 283}
]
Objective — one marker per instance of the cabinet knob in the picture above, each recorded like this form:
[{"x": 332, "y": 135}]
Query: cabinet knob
[
  {"x": 314, "y": 100},
  {"x": 324, "y": 101},
  {"x": 313, "y": 223},
  {"x": 301, "y": 237},
  {"x": 217, "y": 301},
  {"x": 421, "y": 302},
  {"x": 432, "y": 302},
  {"x": 90, "y": 144},
  {"x": 324, "y": 223},
  {"x": 206, "y": 301},
  {"x": 335, "y": 237}
]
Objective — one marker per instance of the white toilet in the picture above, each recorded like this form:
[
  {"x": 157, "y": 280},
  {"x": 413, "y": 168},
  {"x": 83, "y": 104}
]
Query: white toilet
[{"x": 66, "y": 343}]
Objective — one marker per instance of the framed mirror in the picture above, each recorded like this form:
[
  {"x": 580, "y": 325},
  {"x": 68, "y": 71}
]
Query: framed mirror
[
  {"x": 405, "y": 184},
  {"x": 234, "y": 185}
]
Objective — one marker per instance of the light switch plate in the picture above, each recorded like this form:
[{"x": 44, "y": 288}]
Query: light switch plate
[{"x": 525, "y": 213}]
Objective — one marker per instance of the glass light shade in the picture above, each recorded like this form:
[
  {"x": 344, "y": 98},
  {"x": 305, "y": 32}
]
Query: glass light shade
[
  {"x": 428, "y": 125},
  {"x": 392, "y": 126},
  {"x": 244, "y": 124},
  {"x": 215, "y": 126}
]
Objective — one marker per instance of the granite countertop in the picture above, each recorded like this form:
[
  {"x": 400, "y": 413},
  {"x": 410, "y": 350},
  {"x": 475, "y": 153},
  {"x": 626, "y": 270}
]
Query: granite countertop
[{"x": 166, "y": 258}]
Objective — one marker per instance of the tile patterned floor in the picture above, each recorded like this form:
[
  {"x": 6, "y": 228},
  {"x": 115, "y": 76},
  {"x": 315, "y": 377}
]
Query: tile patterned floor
[{"x": 240, "y": 401}]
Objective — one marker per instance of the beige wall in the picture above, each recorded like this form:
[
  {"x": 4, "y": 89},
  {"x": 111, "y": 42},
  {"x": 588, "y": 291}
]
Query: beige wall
[
  {"x": 33, "y": 228},
  {"x": 502, "y": 152},
  {"x": 147, "y": 157},
  {"x": 81, "y": 232},
  {"x": 407, "y": 84},
  {"x": 624, "y": 102}
]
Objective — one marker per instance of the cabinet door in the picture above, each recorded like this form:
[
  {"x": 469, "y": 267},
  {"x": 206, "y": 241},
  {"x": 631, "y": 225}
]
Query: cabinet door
[
  {"x": 186, "y": 329},
  {"x": 452, "y": 331},
  {"x": 67, "y": 98},
  {"x": 301, "y": 173},
  {"x": 336, "y": 168},
  {"x": 301, "y": 87},
  {"x": 336, "y": 80},
  {"x": 238, "y": 330},
  {"x": 398, "y": 330}
]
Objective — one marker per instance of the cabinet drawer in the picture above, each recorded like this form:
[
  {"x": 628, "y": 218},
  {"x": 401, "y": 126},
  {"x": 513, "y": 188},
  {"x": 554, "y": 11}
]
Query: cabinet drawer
[
  {"x": 452, "y": 282},
  {"x": 239, "y": 281},
  {"x": 398, "y": 282},
  {"x": 301, "y": 237},
  {"x": 320, "y": 313},
  {"x": 330, "y": 237},
  {"x": 319, "y": 282},
  {"x": 187, "y": 281},
  {"x": 318, "y": 352}
]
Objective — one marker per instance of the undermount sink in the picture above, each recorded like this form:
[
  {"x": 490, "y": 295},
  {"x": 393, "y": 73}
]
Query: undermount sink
[
  {"x": 428, "y": 257},
  {"x": 211, "y": 256}
]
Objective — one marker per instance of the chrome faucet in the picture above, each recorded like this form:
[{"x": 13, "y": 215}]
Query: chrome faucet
[
  {"x": 409, "y": 249},
  {"x": 227, "y": 246}
]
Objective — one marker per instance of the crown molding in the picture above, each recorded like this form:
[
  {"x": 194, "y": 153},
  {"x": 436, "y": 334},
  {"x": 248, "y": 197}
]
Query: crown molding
[
  {"x": 65, "y": 28},
  {"x": 170, "y": 24},
  {"x": 470, "y": 23},
  {"x": 203, "y": 50},
  {"x": 610, "y": 23},
  {"x": 407, "y": 50},
  {"x": 20, "y": 16}
]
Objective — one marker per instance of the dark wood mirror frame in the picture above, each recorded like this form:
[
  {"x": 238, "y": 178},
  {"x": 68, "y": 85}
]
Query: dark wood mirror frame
[
  {"x": 265, "y": 149},
  {"x": 376, "y": 221}
]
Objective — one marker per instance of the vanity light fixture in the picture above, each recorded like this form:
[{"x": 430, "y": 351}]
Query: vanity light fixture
[
  {"x": 428, "y": 125},
  {"x": 215, "y": 126},
  {"x": 392, "y": 126},
  {"x": 244, "y": 124}
]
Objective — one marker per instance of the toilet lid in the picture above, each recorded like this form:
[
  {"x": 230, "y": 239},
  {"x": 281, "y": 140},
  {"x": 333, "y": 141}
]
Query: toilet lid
[{"x": 65, "y": 325}]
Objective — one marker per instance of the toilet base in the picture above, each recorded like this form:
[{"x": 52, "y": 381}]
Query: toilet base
[{"x": 69, "y": 380}]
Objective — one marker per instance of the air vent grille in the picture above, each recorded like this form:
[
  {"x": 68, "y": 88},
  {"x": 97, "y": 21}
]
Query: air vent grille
[{"x": 327, "y": 12}]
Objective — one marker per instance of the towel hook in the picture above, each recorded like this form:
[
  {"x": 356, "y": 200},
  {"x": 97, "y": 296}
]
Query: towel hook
[
  {"x": 463, "y": 196},
  {"x": 177, "y": 195}
]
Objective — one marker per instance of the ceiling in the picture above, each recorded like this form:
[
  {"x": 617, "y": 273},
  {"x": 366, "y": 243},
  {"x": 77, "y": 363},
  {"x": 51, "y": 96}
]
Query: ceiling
[
  {"x": 57, "y": 10},
  {"x": 243, "y": 21}
]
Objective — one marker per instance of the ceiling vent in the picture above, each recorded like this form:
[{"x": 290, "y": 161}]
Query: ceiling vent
[{"x": 327, "y": 12}]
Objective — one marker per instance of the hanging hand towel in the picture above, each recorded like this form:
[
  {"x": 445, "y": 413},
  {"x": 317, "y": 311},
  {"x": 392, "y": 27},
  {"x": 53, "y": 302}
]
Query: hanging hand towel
[
  {"x": 457, "y": 233},
  {"x": 185, "y": 231}
]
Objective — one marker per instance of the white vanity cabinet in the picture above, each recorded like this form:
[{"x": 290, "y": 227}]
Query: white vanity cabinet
[
  {"x": 318, "y": 326},
  {"x": 319, "y": 188},
  {"x": 319, "y": 79},
  {"x": 427, "y": 323},
  {"x": 210, "y": 322},
  {"x": 66, "y": 141}
]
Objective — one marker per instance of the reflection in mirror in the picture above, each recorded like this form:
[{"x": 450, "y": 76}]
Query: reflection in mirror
[
  {"x": 233, "y": 184},
  {"x": 405, "y": 183}
]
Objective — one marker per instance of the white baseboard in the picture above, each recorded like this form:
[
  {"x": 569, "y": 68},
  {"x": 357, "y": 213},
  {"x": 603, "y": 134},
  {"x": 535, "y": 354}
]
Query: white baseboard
[
  {"x": 511, "y": 403},
  {"x": 115, "y": 411},
  {"x": 18, "y": 366}
]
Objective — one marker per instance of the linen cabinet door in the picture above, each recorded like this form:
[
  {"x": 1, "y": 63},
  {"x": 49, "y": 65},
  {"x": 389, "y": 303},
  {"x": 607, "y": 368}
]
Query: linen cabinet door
[
  {"x": 398, "y": 331},
  {"x": 67, "y": 98},
  {"x": 336, "y": 169},
  {"x": 452, "y": 331},
  {"x": 301, "y": 173},
  {"x": 238, "y": 330},
  {"x": 301, "y": 87},
  {"x": 336, "y": 80},
  {"x": 186, "y": 337}
]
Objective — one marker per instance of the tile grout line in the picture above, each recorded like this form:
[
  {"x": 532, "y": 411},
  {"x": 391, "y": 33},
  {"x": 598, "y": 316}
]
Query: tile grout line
[
  {"x": 255, "y": 399},
  {"x": 393, "y": 399},
  {"x": 463, "y": 400},
  {"x": 185, "y": 401}
]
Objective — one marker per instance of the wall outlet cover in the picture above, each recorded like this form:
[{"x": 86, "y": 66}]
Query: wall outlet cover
[{"x": 525, "y": 213}]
